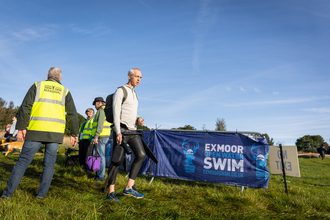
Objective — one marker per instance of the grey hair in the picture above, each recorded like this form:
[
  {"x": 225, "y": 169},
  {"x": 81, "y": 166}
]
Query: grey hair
[
  {"x": 131, "y": 71},
  {"x": 54, "y": 73},
  {"x": 88, "y": 110}
]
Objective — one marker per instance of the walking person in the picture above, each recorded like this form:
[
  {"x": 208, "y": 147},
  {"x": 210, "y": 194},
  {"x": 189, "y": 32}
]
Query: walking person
[
  {"x": 43, "y": 114},
  {"x": 125, "y": 118},
  {"x": 322, "y": 151}
]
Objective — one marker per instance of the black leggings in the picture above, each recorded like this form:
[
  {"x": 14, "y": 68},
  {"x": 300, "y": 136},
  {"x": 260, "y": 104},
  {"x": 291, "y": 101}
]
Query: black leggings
[
  {"x": 135, "y": 143},
  {"x": 83, "y": 147}
]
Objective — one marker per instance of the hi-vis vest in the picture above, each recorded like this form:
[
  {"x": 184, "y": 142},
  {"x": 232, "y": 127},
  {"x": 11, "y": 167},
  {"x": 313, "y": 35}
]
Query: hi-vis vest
[
  {"x": 48, "y": 110},
  {"x": 87, "y": 129},
  {"x": 106, "y": 126}
]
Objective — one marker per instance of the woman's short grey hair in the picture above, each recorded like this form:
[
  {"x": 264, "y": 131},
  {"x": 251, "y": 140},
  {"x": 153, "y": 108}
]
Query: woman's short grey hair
[
  {"x": 131, "y": 71},
  {"x": 88, "y": 110},
  {"x": 54, "y": 73}
]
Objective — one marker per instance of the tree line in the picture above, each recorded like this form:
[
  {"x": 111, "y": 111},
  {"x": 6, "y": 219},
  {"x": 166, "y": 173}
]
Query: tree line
[
  {"x": 310, "y": 143},
  {"x": 8, "y": 111}
]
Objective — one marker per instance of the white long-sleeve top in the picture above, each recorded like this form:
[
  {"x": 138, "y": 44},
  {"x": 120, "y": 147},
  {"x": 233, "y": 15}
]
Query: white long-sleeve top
[
  {"x": 13, "y": 129},
  {"x": 125, "y": 113}
]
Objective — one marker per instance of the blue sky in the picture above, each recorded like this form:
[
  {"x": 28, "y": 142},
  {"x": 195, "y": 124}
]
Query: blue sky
[{"x": 263, "y": 66}]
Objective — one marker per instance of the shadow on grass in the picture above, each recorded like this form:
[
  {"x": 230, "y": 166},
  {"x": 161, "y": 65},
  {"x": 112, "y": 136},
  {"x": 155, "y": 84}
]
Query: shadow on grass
[
  {"x": 63, "y": 176},
  {"x": 181, "y": 182}
]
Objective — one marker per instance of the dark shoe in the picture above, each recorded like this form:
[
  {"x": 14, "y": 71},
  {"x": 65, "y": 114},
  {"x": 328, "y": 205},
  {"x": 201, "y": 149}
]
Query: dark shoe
[
  {"x": 5, "y": 197},
  {"x": 113, "y": 197},
  {"x": 97, "y": 179},
  {"x": 133, "y": 187}
]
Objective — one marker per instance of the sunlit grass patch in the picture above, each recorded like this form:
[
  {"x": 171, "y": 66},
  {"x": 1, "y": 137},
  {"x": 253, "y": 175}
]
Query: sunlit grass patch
[{"x": 74, "y": 195}]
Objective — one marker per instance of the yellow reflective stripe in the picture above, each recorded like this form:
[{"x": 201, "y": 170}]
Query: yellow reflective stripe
[
  {"x": 48, "y": 126},
  {"x": 47, "y": 119},
  {"x": 38, "y": 85},
  {"x": 52, "y": 101}
]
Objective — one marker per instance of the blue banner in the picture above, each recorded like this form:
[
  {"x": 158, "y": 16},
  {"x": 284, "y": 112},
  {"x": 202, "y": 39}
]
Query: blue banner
[
  {"x": 214, "y": 157},
  {"x": 225, "y": 158}
]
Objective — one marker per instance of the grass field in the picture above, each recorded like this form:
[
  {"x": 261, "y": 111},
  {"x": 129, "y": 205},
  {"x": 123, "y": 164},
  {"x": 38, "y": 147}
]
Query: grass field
[{"x": 74, "y": 195}]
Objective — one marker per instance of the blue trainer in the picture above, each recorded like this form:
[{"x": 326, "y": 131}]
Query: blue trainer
[
  {"x": 113, "y": 197},
  {"x": 132, "y": 192}
]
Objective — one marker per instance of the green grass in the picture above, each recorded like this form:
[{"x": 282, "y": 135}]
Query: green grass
[{"x": 74, "y": 195}]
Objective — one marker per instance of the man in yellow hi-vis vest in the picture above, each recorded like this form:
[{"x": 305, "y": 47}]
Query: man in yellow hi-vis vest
[
  {"x": 41, "y": 120},
  {"x": 100, "y": 136}
]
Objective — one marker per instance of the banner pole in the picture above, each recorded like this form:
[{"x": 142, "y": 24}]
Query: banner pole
[{"x": 283, "y": 169}]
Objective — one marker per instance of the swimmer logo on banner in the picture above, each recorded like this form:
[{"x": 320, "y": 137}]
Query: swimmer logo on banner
[{"x": 226, "y": 158}]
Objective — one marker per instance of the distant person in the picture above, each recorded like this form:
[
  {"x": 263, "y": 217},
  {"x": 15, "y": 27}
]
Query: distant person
[
  {"x": 125, "y": 119},
  {"x": 41, "y": 120},
  {"x": 12, "y": 132},
  {"x": 321, "y": 150},
  {"x": 85, "y": 132},
  {"x": 100, "y": 136}
]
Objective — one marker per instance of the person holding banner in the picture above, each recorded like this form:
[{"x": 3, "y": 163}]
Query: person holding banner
[{"x": 125, "y": 133}]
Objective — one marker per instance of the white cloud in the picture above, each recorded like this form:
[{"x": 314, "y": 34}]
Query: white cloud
[
  {"x": 241, "y": 88},
  {"x": 277, "y": 102},
  {"x": 256, "y": 89},
  {"x": 206, "y": 18},
  {"x": 147, "y": 5},
  {"x": 35, "y": 33},
  {"x": 96, "y": 29},
  {"x": 276, "y": 93},
  {"x": 205, "y": 10},
  {"x": 319, "y": 110}
]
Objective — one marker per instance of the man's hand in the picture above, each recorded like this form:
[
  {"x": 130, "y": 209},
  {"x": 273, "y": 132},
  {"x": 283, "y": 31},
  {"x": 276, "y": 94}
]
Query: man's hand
[
  {"x": 21, "y": 134},
  {"x": 74, "y": 141},
  {"x": 95, "y": 141},
  {"x": 119, "y": 138},
  {"x": 140, "y": 121}
]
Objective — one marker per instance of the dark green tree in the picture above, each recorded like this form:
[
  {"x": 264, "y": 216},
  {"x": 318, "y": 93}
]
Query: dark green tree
[
  {"x": 269, "y": 140},
  {"x": 68, "y": 127},
  {"x": 309, "y": 142},
  {"x": 143, "y": 127},
  {"x": 6, "y": 113},
  {"x": 186, "y": 127}
]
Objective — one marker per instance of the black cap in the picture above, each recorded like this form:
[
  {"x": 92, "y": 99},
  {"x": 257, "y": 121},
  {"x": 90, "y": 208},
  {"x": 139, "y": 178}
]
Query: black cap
[{"x": 98, "y": 99}]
